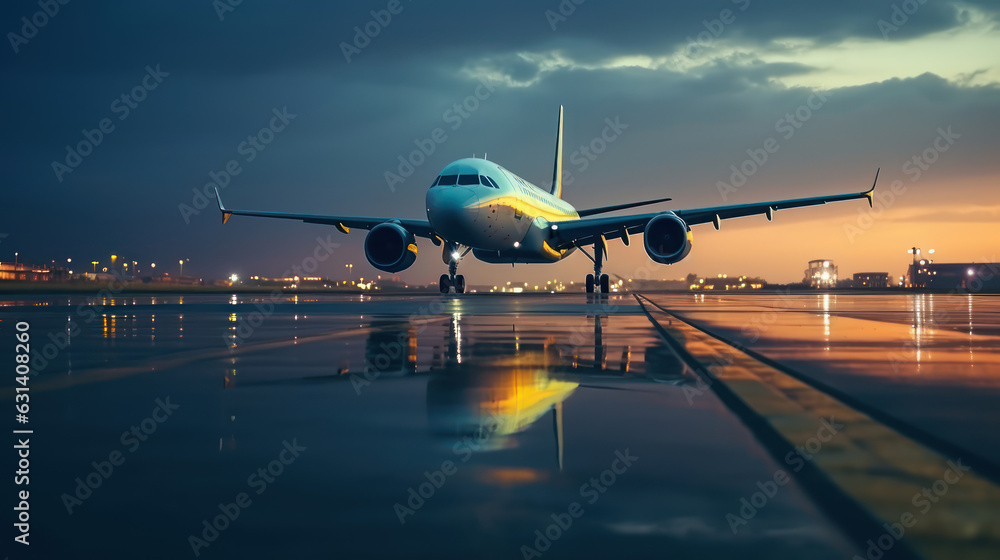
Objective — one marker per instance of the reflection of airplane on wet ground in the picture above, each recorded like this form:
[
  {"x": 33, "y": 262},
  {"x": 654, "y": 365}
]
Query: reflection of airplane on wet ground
[
  {"x": 492, "y": 389},
  {"x": 476, "y": 205}
]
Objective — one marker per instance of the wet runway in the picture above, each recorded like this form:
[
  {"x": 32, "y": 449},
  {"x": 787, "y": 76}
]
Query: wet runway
[{"x": 476, "y": 426}]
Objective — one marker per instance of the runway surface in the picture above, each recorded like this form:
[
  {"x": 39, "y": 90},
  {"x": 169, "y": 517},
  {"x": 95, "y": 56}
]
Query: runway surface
[{"x": 498, "y": 426}]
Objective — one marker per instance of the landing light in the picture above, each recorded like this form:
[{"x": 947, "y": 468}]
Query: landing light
[
  {"x": 517, "y": 244},
  {"x": 554, "y": 227},
  {"x": 455, "y": 255}
]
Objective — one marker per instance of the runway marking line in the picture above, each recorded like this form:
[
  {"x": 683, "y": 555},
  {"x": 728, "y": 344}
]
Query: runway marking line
[{"x": 880, "y": 469}]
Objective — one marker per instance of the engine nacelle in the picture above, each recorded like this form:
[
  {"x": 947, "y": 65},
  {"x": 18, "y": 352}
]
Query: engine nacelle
[
  {"x": 667, "y": 239},
  {"x": 390, "y": 247}
]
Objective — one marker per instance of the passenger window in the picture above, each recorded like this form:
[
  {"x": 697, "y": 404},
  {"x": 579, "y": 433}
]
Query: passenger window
[
  {"x": 468, "y": 179},
  {"x": 447, "y": 180}
]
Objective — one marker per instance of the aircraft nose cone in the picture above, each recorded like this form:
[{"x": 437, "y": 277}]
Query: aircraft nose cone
[{"x": 452, "y": 211}]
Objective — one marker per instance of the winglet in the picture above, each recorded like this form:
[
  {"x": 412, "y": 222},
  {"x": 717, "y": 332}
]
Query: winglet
[
  {"x": 870, "y": 193},
  {"x": 557, "y": 167},
  {"x": 225, "y": 213}
]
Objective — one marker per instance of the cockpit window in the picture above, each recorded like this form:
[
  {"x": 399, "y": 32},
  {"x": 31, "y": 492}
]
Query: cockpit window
[
  {"x": 468, "y": 179},
  {"x": 489, "y": 181},
  {"x": 447, "y": 180}
]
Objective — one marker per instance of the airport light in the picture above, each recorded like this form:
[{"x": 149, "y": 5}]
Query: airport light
[
  {"x": 234, "y": 278},
  {"x": 95, "y": 266},
  {"x": 152, "y": 265},
  {"x": 350, "y": 272}
]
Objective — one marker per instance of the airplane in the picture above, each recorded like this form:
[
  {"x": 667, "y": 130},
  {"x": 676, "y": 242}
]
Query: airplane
[{"x": 476, "y": 205}]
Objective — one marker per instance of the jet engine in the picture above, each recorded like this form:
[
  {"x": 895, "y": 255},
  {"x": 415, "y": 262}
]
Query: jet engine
[
  {"x": 390, "y": 247},
  {"x": 667, "y": 239}
]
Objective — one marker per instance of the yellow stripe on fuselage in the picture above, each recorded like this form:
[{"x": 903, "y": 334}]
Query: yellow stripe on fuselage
[{"x": 531, "y": 207}]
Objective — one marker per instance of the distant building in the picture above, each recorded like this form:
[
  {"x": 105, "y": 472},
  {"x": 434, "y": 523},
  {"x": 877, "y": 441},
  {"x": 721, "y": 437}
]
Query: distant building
[
  {"x": 871, "y": 280},
  {"x": 33, "y": 273},
  {"x": 971, "y": 277},
  {"x": 821, "y": 274}
]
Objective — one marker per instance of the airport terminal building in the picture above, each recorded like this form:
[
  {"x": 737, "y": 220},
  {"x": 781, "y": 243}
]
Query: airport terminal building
[{"x": 966, "y": 277}]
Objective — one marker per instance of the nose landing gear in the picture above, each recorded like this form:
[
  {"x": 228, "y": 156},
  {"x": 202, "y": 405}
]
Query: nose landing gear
[{"x": 452, "y": 279}]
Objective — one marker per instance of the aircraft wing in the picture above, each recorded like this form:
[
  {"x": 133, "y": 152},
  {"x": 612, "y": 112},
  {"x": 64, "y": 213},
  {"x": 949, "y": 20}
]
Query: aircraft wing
[
  {"x": 419, "y": 228},
  {"x": 589, "y": 230}
]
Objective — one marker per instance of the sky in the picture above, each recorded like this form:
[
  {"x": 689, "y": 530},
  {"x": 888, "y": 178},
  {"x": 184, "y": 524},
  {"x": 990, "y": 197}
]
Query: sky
[{"x": 117, "y": 115}]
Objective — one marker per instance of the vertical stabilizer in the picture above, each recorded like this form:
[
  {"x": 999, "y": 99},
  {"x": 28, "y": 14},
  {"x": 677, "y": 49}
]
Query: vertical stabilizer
[{"x": 557, "y": 170}]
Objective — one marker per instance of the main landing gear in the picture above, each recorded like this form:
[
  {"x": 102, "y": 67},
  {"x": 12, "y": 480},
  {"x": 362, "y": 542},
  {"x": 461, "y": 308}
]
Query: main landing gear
[
  {"x": 597, "y": 281},
  {"x": 452, "y": 279}
]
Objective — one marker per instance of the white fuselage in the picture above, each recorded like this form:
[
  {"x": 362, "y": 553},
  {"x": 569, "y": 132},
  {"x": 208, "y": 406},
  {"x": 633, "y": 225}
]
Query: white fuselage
[{"x": 479, "y": 204}]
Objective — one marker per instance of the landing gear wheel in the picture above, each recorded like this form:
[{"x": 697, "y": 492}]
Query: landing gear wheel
[
  {"x": 444, "y": 283},
  {"x": 460, "y": 284},
  {"x": 605, "y": 284},
  {"x": 590, "y": 283}
]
